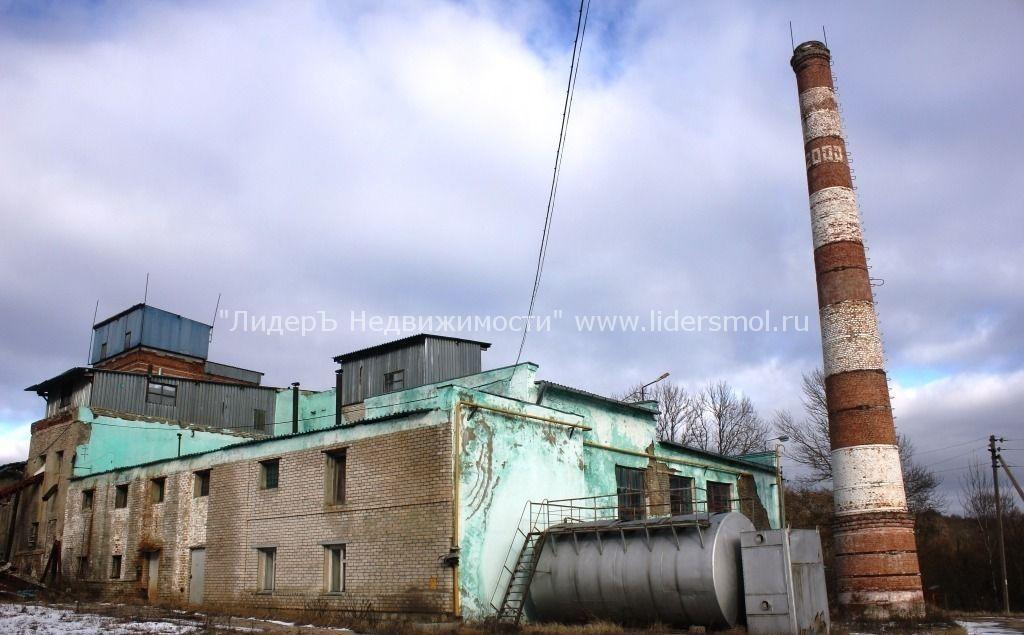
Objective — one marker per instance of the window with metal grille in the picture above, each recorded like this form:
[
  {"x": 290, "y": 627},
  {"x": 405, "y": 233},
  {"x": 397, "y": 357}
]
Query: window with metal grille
[
  {"x": 121, "y": 496},
  {"x": 162, "y": 393},
  {"x": 395, "y": 380},
  {"x": 335, "y": 568},
  {"x": 337, "y": 461},
  {"x": 269, "y": 473},
  {"x": 719, "y": 497},
  {"x": 631, "y": 491},
  {"x": 680, "y": 489}
]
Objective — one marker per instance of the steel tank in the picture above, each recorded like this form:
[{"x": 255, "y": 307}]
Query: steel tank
[{"x": 681, "y": 570}]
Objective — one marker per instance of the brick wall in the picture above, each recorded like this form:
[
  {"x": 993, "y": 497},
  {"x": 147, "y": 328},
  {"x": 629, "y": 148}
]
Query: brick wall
[{"x": 395, "y": 523}]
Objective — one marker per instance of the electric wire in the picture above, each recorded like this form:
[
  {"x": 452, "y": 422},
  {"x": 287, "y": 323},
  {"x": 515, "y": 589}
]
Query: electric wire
[{"x": 574, "y": 65}]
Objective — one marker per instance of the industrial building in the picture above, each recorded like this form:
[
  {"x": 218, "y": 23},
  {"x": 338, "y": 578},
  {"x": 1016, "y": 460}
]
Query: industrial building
[{"x": 416, "y": 489}]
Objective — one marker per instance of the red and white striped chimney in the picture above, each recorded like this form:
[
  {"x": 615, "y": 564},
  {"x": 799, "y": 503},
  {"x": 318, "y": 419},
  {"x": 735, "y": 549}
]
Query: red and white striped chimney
[{"x": 876, "y": 555}]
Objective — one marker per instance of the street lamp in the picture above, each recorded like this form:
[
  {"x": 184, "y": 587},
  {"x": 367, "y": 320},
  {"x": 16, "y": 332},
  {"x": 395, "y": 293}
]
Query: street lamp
[
  {"x": 778, "y": 479},
  {"x": 642, "y": 388}
]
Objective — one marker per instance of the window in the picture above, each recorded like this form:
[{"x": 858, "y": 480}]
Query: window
[
  {"x": 161, "y": 393},
  {"x": 33, "y": 534},
  {"x": 202, "y": 484},
  {"x": 87, "y": 500},
  {"x": 335, "y": 472},
  {"x": 60, "y": 463},
  {"x": 265, "y": 571},
  {"x": 156, "y": 489},
  {"x": 269, "y": 472},
  {"x": 121, "y": 496},
  {"x": 680, "y": 494},
  {"x": 259, "y": 419},
  {"x": 83, "y": 566},
  {"x": 395, "y": 380},
  {"x": 335, "y": 568},
  {"x": 115, "y": 567},
  {"x": 103, "y": 350},
  {"x": 629, "y": 484},
  {"x": 719, "y": 497},
  {"x": 65, "y": 397},
  {"x": 127, "y": 340}
]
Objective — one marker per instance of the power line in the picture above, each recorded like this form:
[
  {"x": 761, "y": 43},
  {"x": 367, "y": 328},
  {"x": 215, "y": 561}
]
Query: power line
[
  {"x": 574, "y": 67},
  {"x": 948, "y": 447}
]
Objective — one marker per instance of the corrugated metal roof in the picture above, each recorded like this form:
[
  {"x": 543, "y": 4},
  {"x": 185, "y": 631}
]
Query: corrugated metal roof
[
  {"x": 718, "y": 457},
  {"x": 584, "y": 393},
  {"x": 405, "y": 341}
]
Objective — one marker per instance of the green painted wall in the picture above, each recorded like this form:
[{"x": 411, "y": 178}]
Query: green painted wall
[
  {"x": 115, "y": 443},
  {"x": 316, "y": 410}
]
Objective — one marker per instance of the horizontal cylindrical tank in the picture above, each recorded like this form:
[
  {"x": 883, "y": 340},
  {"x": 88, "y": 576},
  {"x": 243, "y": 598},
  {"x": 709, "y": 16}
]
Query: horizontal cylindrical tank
[{"x": 672, "y": 571}]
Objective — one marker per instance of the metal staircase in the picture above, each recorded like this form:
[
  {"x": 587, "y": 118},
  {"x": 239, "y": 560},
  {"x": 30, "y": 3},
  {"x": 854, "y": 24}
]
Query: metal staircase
[{"x": 519, "y": 577}]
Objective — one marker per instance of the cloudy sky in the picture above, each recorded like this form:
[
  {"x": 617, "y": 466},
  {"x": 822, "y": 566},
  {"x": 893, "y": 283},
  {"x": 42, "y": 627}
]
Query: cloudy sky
[{"x": 393, "y": 159}]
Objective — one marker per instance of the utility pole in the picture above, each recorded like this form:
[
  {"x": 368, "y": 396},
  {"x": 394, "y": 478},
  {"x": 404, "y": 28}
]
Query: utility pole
[{"x": 999, "y": 519}]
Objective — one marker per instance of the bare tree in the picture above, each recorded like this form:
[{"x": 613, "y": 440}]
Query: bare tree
[
  {"x": 673, "y": 405},
  {"x": 809, "y": 442},
  {"x": 715, "y": 418},
  {"x": 723, "y": 421},
  {"x": 809, "y": 445},
  {"x": 979, "y": 503}
]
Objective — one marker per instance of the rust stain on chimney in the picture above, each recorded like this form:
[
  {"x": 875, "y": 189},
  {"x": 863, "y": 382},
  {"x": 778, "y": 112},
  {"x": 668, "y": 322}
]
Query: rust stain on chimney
[{"x": 876, "y": 555}]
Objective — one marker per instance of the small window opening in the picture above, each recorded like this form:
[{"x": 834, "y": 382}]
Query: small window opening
[
  {"x": 336, "y": 467},
  {"x": 115, "y": 567},
  {"x": 265, "y": 572},
  {"x": 121, "y": 496},
  {"x": 157, "y": 487},
  {"x": 395, "y": 380},
  {"x": 87, "y": 497},
  {"x": 269, "y": 473},
  {"x": 335, "y": 568},
  {"x": 202, "y": 484}
]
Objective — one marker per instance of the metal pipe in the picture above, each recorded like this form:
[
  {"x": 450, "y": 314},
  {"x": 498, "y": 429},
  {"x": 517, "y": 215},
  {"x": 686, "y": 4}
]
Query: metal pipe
[
  {"x": 295, "y": 407},
  {"x": 781, "y": 487},
  {"x": 337, "y": 396},
  {"x": 658, "y": 457}
]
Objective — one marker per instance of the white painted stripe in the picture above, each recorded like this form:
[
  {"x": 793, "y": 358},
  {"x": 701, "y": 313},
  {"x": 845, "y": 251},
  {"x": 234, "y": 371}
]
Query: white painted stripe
[
  {"x": 850, "y": 338},
  {"x": 834, "y": 216},
  {"x": 902, "y": 601},
  {"x": 817, "y": 98},
  {"x": 867, "y": 478},
  {"x": 822, "y": 123}
]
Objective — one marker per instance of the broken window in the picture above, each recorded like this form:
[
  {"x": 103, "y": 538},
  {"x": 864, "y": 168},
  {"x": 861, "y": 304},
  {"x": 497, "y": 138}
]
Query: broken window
[
  {"x": 156, "y": 489},
  {"x": 115, "y": 567},
  {"x": 259, "y": 419},
  {"x": 719, "y": 497},
  {"x": 335, "y": 472},
  {"x": 33, "y": 534},
  {"x": 265, "y": 570},
  {"x": 121, "y": 496},
  {"x": 335, "y": 568},
  {"x": 161, "y": 393},
  {"x": 269, "y": 472},
  {"x": 680, "y": 494},
  {"x": 395, "y": 380},
  {"x": 629, "y": 483},
  {"x": 201, "y": 487},
  {"x": 87, "y": 496}
]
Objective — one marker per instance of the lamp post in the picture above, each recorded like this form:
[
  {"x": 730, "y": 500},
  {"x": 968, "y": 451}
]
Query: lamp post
[
  {"x": 644, "y": 387},
  {"x": 778, "y": 479}
]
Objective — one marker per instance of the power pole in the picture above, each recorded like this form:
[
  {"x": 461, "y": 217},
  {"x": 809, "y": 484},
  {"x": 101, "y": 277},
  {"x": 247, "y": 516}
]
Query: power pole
[{"x": 999, "y": 519}]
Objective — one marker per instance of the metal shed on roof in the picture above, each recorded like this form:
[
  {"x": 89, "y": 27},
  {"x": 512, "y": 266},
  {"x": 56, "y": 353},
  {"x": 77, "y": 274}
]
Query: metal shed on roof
[
  {"x": 407, "y": 363},
  {"x": 144, "y": 325}
]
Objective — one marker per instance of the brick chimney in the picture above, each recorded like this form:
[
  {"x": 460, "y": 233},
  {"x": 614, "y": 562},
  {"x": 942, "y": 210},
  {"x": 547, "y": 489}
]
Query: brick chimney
[{"x": 876, "y": 555}]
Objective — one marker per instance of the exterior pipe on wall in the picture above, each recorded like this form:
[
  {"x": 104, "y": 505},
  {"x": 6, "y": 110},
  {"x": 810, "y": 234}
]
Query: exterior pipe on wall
[
  {"x": 295, "y": 407},
  {"x": 337, "y": 396}
]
